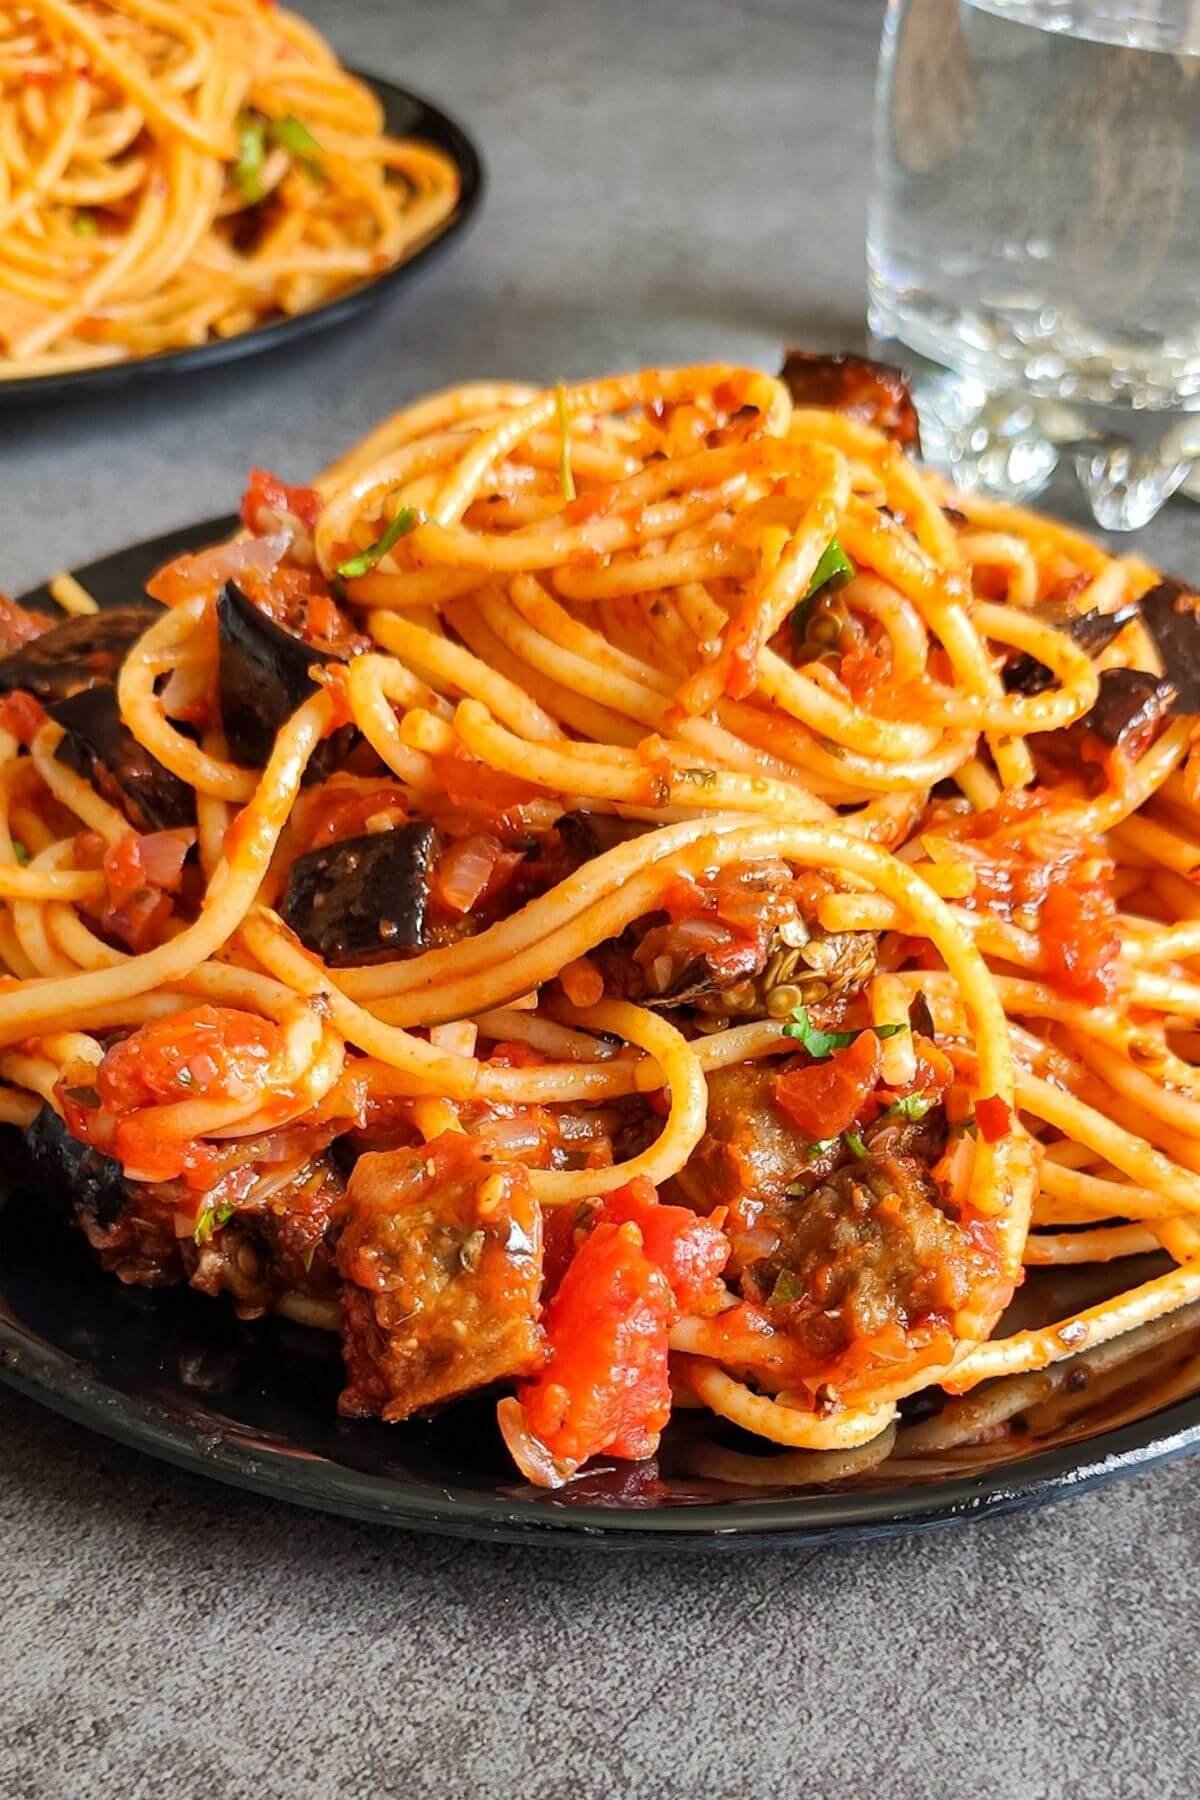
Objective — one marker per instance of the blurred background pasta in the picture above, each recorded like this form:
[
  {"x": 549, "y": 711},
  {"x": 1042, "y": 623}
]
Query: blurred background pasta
[{"x": 173, "y": 173}]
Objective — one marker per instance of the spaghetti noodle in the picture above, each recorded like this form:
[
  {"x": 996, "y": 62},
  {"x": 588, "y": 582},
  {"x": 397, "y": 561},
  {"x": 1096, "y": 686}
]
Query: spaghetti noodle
[
  {"x": 618, "y": 892},
  {"x": 175, "y": 173}
]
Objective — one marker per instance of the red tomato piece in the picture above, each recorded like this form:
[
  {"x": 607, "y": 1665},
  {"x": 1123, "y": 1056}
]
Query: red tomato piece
[
  {"x": 211, "y": 1052},
  {"x": 1079, "y": 936},
  {"x": 605, "y": 1386},
  {"x": 21, "y": 714},
  {"x": 265, "y": 493},
  {"x": 994, "y": 1118},
  {"x": 826, "y": 1098},
  {"x": 689, "y": 1250}
]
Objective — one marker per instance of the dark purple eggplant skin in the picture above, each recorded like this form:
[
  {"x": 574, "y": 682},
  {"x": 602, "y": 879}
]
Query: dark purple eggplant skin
[
  {"x": 265, "y": 674},
  {"x": 75, "y": 1179},
  {"x": 99, "y": 746},
  {"x": 1171, "y": 614},
  {"x": 875, "y": 392},
  {"x": 365, "y": 899},
  {"x": 920, "y": 1018},
  {"x": 1092, "y": 631},
  {"x": 80, "y": 653},
  {"x": 1129, "y": 703}
]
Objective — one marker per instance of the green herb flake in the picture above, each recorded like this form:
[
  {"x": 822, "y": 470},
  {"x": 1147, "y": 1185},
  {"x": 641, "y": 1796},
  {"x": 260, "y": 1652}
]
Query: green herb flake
[
  {"x": 293, "y": 135},
  {"x": 20, "y": 852},
  {"x": 252, "y": 151},
  {"x": 564, "y": 442},
  {"x": 909, "y": 1106},
  {"x": 700, "y": 777},
  {"x": 788, "y": 1287},
  {"x": 84, "y": 225},
  {"x": 822, "y": 1044},
  {"x": 818, "y": 1148},
  {"x": 854, "y": 1143},
  {"x": 406, "y": 520},
  {"x": 210, "y": 1220},
  {"x": 832, "y": 572},
  {"x": 819, "y": 1044}
]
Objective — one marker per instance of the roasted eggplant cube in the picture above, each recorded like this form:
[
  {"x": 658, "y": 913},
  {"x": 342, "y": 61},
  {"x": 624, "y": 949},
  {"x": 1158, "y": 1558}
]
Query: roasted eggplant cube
[
  {"x": 265, "y": 675},
  {"x": 1093, "y": 632},
  {"x": 442, "y": 1262},
  {"x": 78, "y": 1181},
  {"x": 1171, "y": 614},
  {"x": 1130, "y": 705},
  {"x": 365, "y": 899},
  {"x": 80, "y": 653},
  {"x": 99, "y": 746},
  {"x": 874, "y": 392}
]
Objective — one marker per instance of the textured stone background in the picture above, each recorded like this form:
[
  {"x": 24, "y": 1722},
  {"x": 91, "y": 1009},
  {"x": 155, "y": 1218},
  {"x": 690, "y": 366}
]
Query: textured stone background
[{"x": 668, "y": 181}]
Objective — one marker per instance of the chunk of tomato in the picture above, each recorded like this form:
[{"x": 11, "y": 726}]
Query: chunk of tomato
[
  {"x": 265, "y": 493},
  {"x": 605, "y": 1386},
  {"x": 824, "y": 1099},
  {"x": 689, "y": 1250},
  {"x": 1080, "y": 941}
]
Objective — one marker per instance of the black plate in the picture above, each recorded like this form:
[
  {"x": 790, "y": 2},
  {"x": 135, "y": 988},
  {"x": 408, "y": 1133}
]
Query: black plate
[
  {"x": 407, "y": 115},
  {"x": 176, "y": 1374}
]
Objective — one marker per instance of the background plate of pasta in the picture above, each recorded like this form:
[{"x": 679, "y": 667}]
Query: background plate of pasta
[
  {"x": 617, "y": 962},
  {"x": 187, "y": 183}
]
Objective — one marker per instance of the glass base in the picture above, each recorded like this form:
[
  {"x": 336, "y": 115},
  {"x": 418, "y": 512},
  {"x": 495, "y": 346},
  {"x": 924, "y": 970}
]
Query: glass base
[{"x": 1007, "y": 443}]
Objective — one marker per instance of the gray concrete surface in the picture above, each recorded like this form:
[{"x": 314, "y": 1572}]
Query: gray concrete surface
[{"x": 668, "y": 181}]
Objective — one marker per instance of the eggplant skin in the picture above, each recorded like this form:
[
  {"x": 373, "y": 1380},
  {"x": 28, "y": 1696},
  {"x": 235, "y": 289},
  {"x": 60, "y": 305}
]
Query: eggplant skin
[
  {"x": 265, "y": 674},
  {"x": 101, "y": 747},
  {"x": 1092, "y": 631},
  {"x": 1131, "y": 702},
  {"x": 1171, "y": 614},
  {"x": 877, "y": 393},
  {"x": 80, "y": 653},
  {"x": 79, "y": 1181},
  {"x": 365, "y": 899}
]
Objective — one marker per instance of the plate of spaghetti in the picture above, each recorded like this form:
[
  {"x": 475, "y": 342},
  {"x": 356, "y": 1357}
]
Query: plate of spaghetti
[
  {"x": 185, "y": 184},
  {"x": 622, "y": 962}
]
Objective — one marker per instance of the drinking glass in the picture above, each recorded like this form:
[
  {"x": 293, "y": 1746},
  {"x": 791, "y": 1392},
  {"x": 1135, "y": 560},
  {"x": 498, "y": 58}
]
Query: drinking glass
[{"x": 1034, "y": 240}]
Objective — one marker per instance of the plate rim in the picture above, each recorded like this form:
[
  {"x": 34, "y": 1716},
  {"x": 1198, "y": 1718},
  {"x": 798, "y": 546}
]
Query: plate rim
[
  {"x": 51, "y": 1377},
  {"x": 276, "y": 334}
]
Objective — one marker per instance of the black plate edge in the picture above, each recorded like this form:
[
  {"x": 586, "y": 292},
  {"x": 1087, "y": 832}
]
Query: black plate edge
[
  {"x": 74, "y": 1392},
  {"x": 437, "y": 127}
]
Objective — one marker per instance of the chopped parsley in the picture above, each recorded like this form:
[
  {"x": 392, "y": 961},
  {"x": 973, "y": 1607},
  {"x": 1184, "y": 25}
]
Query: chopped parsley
[
  {"x": 832, "y": 572},
  {"x": 854, "y": 1143},
  {"x": 252, "y": 153},
  {"x": 20, "y": 852},
  {"x": 84, "y": 225},
  {"x": 909, "y": 1106},
  {"x": 818, "y": 1148},
  {"x": 210, "y": 1220},
  {"x": 822, "y": 1044},
  {"x": 701, "y": 777},
  {"x": 362, "y": 564},
  {"x": 293, "y": 135},
  {"x": 564, "y": 442},
  {"x": 788, "y": 1287}
]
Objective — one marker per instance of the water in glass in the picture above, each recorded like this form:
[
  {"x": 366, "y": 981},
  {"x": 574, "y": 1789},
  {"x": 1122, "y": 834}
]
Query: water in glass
[{"x": 1034, "y": 239}]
